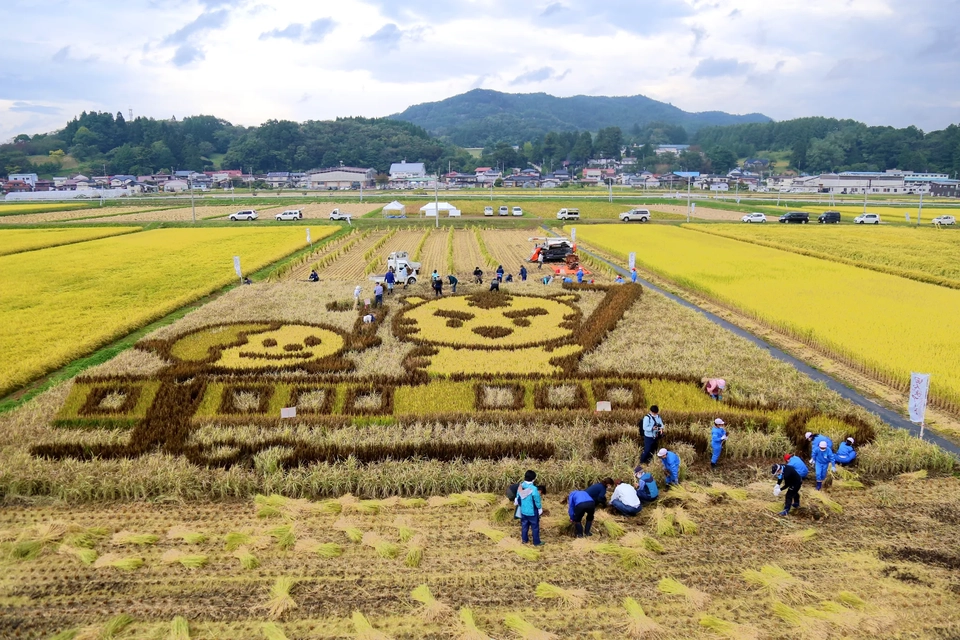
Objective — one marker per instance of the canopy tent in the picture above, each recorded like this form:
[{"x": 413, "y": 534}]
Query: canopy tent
[
  {"x": 395, "y": 209},
  {"x": 430, "y": 209}
]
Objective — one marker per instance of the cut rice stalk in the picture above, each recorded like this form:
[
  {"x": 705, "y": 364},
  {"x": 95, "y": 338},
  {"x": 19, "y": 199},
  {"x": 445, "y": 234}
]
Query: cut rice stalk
[
  {"x": 116, "y": 561},
  {"x": 798, "y": 538},
  {"x": 672, "y": 587},
  {"x": 280, "y": 601},
  {"x": 503, "y": 514},
  {"x": 482, "y": 527},
  {"x": 913, "y": 476},
  {"x": 190, "y": 537},
  {"x": 366, "y": 507},
  {"x": 179, "y": 629},
  {"x": 247, "y": 559},
  {"x": 116, "y": 625},
  {"x": 718, "y": 488},
  {"x": 433, "y": 609},
  {"x": 663, "y": 522},
  {"x": 611, "y": 527},
  {"x": 481, "y": 499},
  {"x": 235, "y": 540},
  {"x": 87, "y": 538},
  {"x": 524, "y": 551},
  {"x": 123, "y": 538},
  {"x": 775, "y": 582},
  {"x": 685, "y": 525},
  {"x": 329, "y": 507},
  {"x": 384, "y": 548},
  {"x": 365, "y": 630},
  {"x": 851, "y": 599},
  {"x": 188, "y": 561},
  {"x": 570, "y": 598},
  {"x": 812, "y": 627},
  {"x": 729, "y": 629},
  {"x": 415, "y": 551},
  {"x": 826, "y": 501},
  {"x": 272, "y": 632},
  {"x": 526, "y": 630},
  {"x": 284, "y": 536},
  {"x": 640, "y": 625},
  {"x": 639, "y": 540},
  {"x": 86, "y": 556},
  {"x": 470, "y": 629},
  {"x": 404, "y": 528},
  {"x": 413, "y": 503},
  {"x": 350, "y": 528}
]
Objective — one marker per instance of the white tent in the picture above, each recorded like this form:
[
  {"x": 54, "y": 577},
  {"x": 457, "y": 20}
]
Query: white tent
[
  {"x": 430, "y": 209},
  {"x": 394, "y": 208}
]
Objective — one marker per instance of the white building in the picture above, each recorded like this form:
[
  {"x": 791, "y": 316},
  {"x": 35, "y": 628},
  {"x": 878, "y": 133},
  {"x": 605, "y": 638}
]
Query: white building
[
  {"x": 400, "y": 171},
  {"x": 175, "y": 186},
  {"x": 340, "y": 178},
  {"x": 29, "y": 178}
]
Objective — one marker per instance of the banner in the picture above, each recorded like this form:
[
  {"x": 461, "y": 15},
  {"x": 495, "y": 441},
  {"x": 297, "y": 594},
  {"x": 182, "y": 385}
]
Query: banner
[
  {"x": 632, "y": 261},
  {"x": 917, "y": 402},
  {"x": 308, "y": 236},
  {"x": 573, "y": 234},
  {"x": 288, "y": 412},
  {"x": 236, "y": 266}
]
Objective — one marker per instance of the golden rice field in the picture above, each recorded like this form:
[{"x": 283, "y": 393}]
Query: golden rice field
[
  {"x": 108, "y": 214},
  {"x": 538, "y": 209},
  {"x": 18, "y": 240},
  {"x": 62, "y": 302},
  {"x": 39, "y": 207},
  {"x": 883, "y": 323},
  {"x": 888, "y": 213},
  {"x": 924, "y": 254}
]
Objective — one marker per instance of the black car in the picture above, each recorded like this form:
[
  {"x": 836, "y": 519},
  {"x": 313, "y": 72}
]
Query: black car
[
  {"x": 800, "y": 217},
  {"x": 829, "y": 217}
]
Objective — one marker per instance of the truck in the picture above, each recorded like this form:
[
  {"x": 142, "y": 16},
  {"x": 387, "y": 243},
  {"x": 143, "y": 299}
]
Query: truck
[
  {"x": 336, "y": 214},
  {"x": 400, "y": 261},
  {"x": 568, "y": 214},
  {"x": 554, "y": 249}
]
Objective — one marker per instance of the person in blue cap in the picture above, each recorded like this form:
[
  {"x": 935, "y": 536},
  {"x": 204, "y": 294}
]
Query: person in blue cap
[
  {"x": 846, "y": 453},
  {"x": 789, "y": 479},
  {"x": 718, "y": 437},
  {"x": 823, "y": 459},
  {"x": 671, "y": 466}
]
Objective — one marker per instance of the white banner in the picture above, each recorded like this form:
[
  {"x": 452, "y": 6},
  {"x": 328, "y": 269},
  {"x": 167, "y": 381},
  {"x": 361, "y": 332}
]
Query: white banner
[
  {"x": 632, "y": 261},
  {"x": 288, "y": 412},
  {"x": 573, "y": 234},
  {"x": 917, "y": 402},
  {"x": 693, "y": 206},
  {"x": 236, "y": 266},
  {"x": 308, "y": 236}
]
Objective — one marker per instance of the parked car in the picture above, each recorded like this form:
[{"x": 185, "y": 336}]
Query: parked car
[
  {"x": 944, "y": 220},
  {"x": 488, "y": 211},
  {"x": 635, "y": 215},
  {"x": 829, "y": 217},
  {"x": 246, "y": 214},
  {"x": 568, "y": 214},
  {"x": 798, "y": 217},
  {"x": 867, "y": 218},
  {"x": 336, "y": 214},
  {"x": 517, "y": 211},
  {"x": 290, "y": 214},
  {"x": 754, "y": 217},
  {"x": 504, "y": 211}
]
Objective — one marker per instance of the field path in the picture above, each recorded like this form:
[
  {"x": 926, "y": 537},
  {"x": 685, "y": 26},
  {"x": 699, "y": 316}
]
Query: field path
[{"x": 466, "y": 252}]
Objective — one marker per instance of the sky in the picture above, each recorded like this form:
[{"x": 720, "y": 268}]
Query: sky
[{"x": 883, "y": 62}]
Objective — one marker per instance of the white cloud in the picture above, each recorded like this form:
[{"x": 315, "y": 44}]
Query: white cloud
[{"x": 245, "y": 60}]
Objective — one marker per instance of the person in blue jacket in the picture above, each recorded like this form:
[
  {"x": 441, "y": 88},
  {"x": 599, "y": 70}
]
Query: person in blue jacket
[
  {"x": 651, "y": 428},
  {"x": 647, "y": 489},
  {"x": 523, "y": 273},
  {"x": 391, "y": 279},
  {"x": 671, "y": 466},
  {"x": 718, "y": 437},
  {"x": 580, "y": 504},
  {"x": 846, "y": 453},
  {"x": 823, "y": 458},
  {"x": 531, "y": 508},
  {"x": 580, "y": 275},
  {"x": 799, "y": 465},
  {"x": 815, "y": 441},
  {"x": 598, "y": 491}
]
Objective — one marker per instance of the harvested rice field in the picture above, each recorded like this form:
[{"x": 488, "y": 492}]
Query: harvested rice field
[
  {"x": 163, "y": 494},
  {"x": 100, "y": 214}
]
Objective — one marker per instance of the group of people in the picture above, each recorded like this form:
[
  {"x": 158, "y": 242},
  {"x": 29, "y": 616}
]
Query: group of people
[{"x": 501, "y": 276}]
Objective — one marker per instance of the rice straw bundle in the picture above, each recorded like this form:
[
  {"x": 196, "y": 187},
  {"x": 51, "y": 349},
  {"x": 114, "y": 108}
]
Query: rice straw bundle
[
  {"x": 86, "y": 556},
  {"x": 350, "y": 528},
  {"x": 663, "y": 522},
  {"x": 470, "y": 630},
  {"x": 272, "y": 632},
  {"x": 685, "y": 525},
  {"x": 116, "y": 561},
  {"x": 826, "y": 501},
  {"x": 404, "y": 528},
  {"x": 639, "y": 540},
  {"x": 610, "y": 526},
  {"x": 280, "y": 601},
  {"x": 812, "y": 627},
  {"x": 87, "y": 538},
  {"x": 329, "y": 507},
  {"x": 112, "y": 628},
  {"x": 672, "y": 587},
  {"x": 524, "y": 551},
  {"x": 433, "y": 609},
  {"x": 123, "y": 538},
  {"x": 415, "y": 551},
  {"x": 526, "y": 630},
  {"x": 234, "y": 540},
  {"x": 483, "y": 528},
  {"x": 481, "y": 499},
  {"x": 728, "y": 629},
  {"x": 276, "y": 506},
  {"x": 188, "y": 561},
  {"x": 413, "y": 503},
  {"x": 640, "y": 625},
  {"x": 774, "y": 581},
  {"x": 913, "y": 476},
  {"x": 384, "y": 548},
  {"x": 852, "y": 600},
  {"x": 179, "y": 629},
  {"x": 798, "y": 538},
  {"x": 503, "y": 514},
  {"x": 365, "y": 630},
  {"x": 247, "y": 559},
  {"x": 190, "y": 537},
  {"x": 366, "y": 507},
  {"x": 322, "y": 549},
  {"x": 570, "y": 598},
  {"x": 284, "y": 536},
  {"x": 717, "y": 488}
]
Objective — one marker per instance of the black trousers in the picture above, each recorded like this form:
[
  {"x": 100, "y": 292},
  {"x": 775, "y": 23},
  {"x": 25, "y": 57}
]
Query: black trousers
[
  {"x": 792, "y": 499},
  {"x": 583, "y": 509}
]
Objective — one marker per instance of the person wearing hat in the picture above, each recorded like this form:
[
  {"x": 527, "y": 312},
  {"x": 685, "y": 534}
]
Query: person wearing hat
[
  {"x": 815, "y": 440},
  {"x": 846, "y": 453},
  {"x": 647, "y": 489},
  {"x": 719, "y": 436},
  {"x": 715, "y": 387},
  {"x": 798, "y": 464},
  {"x": 789, "y": 479},
  {"x": 823, "y": 458},
  {"x": 633, "y": 274},
  {"x": 671, "y": 467},
  {"x": 651, "y": 428}
]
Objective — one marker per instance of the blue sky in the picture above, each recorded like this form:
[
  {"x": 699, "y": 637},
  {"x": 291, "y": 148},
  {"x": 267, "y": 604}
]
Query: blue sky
[{"x": 879, "y": 61}]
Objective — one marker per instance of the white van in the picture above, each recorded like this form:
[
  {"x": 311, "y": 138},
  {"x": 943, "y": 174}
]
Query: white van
[{"x": 568, "y": 214}]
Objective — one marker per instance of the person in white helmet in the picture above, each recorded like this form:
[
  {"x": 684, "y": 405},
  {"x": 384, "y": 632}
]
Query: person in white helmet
[
  {"x": 846, "y": 453},
  {"x": 718, "y": 437},
  {"x": 823, "y": 458},
  {"x": 671, "y": 467}
]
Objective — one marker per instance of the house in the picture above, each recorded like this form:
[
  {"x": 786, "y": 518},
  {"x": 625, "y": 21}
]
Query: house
[
  {"x": 487, "y": 175},
  {"x": 400, "y": 171},
  {"x": 16, "y": 186},
  {"x": 672, "y": 181},
  {"x": 176, "y": 186},
  {"x": 122, "y": 181},
  {"x": 43, "y": 185},
  {"x": 592, "y": 175},
  {"x": 848, "y": 183},
  {"x": 550, "y": 183},
  {"x": 675, "y": 149},
  {"x": 756, "y": 164},
  {"x": 561, "y": 176},
  {"x": 945, "y": 188},
  {"x": 29, "y": 178},
  {"x": 521, "y": 181},
  {"x": 455, "y": 178},
  {"x": 340, "y": 178}
]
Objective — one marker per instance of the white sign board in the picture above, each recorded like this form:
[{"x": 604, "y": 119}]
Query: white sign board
[
  {"x": 288, "y": 412},
  {"x": 917, "y": 402},
  {"x": 604, "y": 405},
  {"x": 632, "y": 261},
  {"x": 573, "y": 234},
  {"x": 308, "y": 236},
  {"x": 693, "y": 207},
  {"x": 236, "y": 266}
]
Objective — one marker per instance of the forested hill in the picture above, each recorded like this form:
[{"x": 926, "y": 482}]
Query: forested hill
[
  {"x": 100, "y": 141},
  {"x": 482, "y": 117},
  {"x": 826, "y": 144}
]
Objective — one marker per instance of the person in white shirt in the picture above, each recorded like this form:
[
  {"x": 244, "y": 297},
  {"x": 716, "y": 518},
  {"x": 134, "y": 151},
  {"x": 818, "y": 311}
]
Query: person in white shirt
[{"x": 625, "y": 500}]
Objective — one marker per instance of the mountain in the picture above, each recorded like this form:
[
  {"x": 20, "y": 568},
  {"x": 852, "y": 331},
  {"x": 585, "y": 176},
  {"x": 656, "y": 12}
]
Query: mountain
[{"x": 482, "y": 117}]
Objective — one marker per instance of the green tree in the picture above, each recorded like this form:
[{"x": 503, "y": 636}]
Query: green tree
[
  {"x": 583, "y": 149},
  {"x": 722, "y": 160},
  {"x": 824, "y": 156}
]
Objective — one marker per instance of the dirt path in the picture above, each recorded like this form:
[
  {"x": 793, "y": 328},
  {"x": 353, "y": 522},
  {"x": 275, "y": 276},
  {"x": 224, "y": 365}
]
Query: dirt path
[{"x": 703, "y": 213}]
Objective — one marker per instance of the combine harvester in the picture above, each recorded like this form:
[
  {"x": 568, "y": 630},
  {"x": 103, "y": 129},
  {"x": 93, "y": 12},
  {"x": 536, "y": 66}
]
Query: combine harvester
[{"x": 555, "y": 250}]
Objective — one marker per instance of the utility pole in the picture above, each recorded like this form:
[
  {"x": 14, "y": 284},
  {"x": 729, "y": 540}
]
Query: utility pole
[
  {"x": 436, "y": 198},
  {"x": 920, "y": 210},
  {"x": 193, "y": 206},
  {"x": 865, "y": 190},
  {"x": 689, "y": 181}
]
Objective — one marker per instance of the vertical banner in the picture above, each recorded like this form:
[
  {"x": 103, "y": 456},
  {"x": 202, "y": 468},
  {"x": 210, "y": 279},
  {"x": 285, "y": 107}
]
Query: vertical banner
[
  {"x": 693, "y": 208},
  {"x": 573, "y": 234},
  {"x": 236, "y": 266},
  {"x": 917, "y": 403},
  {"x": 632, "y": 261},
  {"x": 308, "y": 236}
]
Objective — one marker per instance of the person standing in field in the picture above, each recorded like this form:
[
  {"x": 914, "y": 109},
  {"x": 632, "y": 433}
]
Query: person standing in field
[
  {"x": 434, "y": 276},
  {"x": 579, "y": 275},
  {"x": 846, "y": 453},
  {"x": 671, "y": 467},
  {"x": 378, "y": 295},
  {"x": 625, "y": 499},
  {"x": 540, "y": 258},
  {"x": 580, "y": 504},
  {"x": 523, "y": 273},
  {"x": 823, "y": 459},
  {"x": 390, "y": 278},
  {"x": 500, "y": 272},
  {"x": 815, "y": 440},
  {"x": 633, "y": 275},
  {"x": 717, "y": 437},
  {"x": 478, "y": 276},
  {"x": 651, "y": 428},
  {"x": 356, "y": 295},
  {"x": 438, "y": 287},
  {"x": 789, "y": 479},
  {"x": 530, "y": 508},
  {"x": 452, "y": 279}
]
